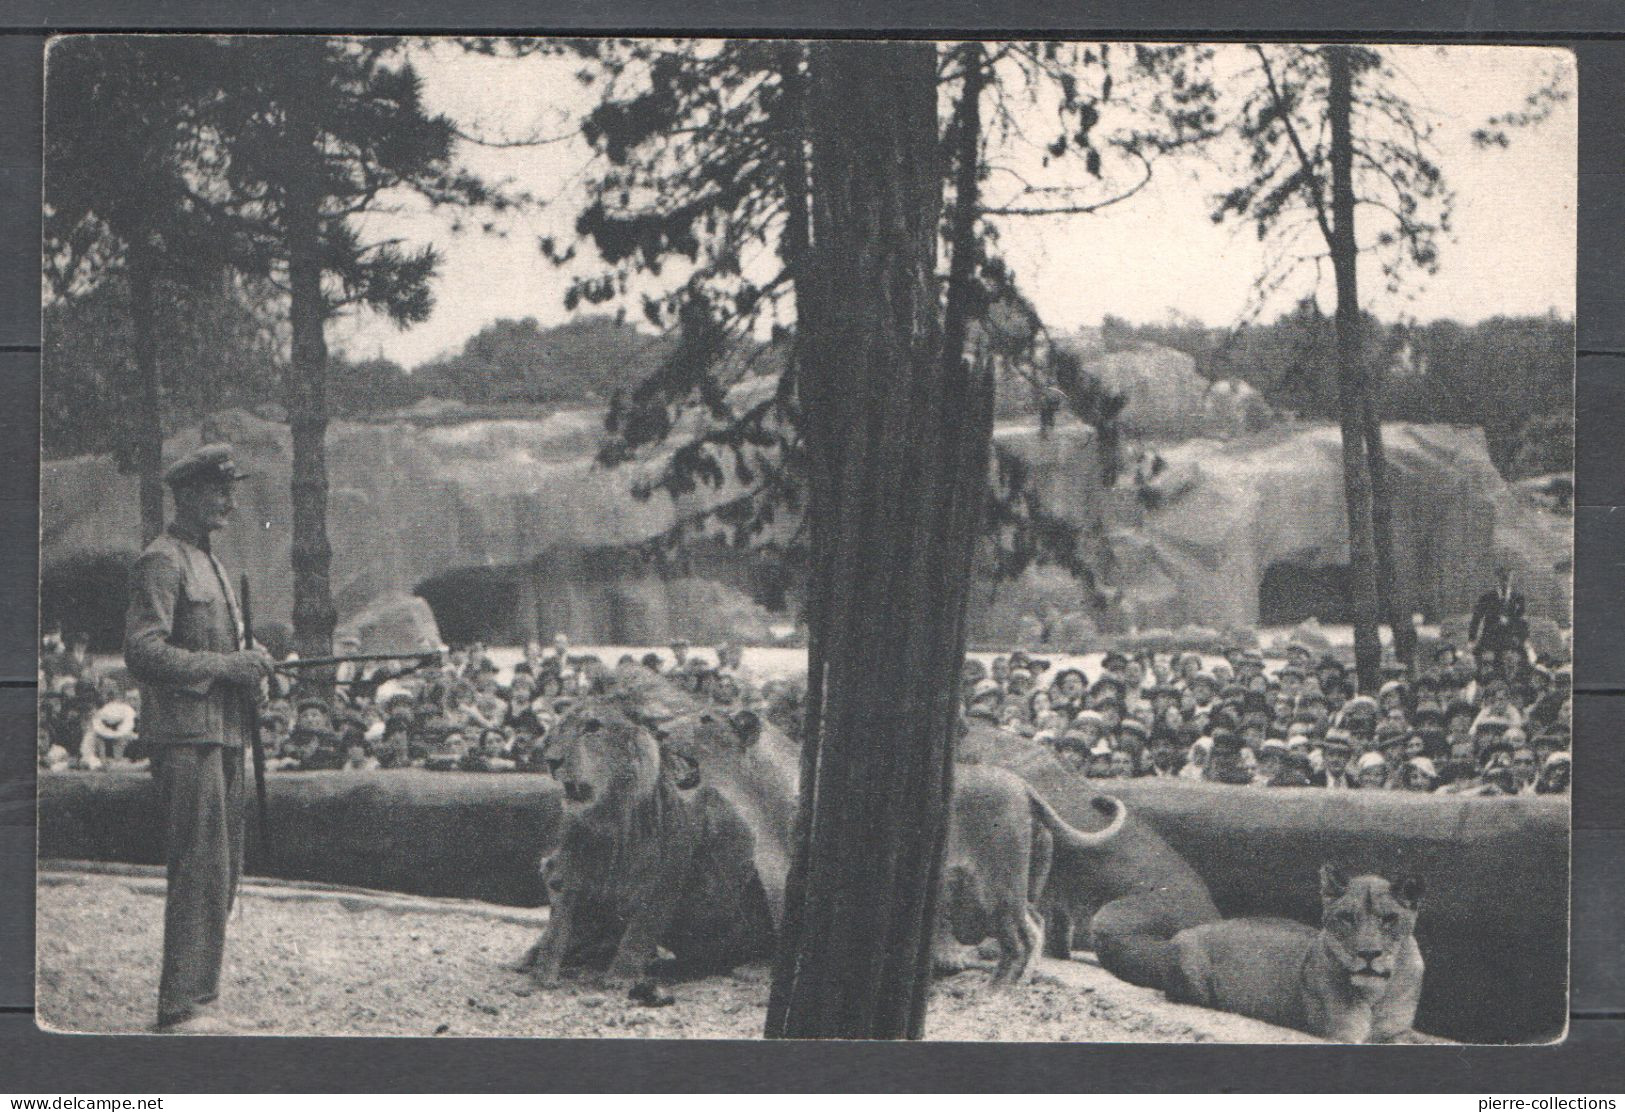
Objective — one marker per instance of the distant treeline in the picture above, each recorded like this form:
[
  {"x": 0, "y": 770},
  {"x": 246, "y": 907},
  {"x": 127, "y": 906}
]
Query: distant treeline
[
  {"x": 218, "y": 353},
  {"x": 1512, "y": 376}
]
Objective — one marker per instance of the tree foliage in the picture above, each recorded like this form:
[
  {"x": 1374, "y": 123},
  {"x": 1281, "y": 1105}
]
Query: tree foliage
[
  {"x": 219, "y": 351},
  {"x": 1500, "y": 374},
  {"x": 698, "y": 205}
]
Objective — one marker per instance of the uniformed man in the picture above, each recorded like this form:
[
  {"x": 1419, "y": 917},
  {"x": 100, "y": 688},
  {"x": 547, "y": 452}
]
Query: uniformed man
[{"x": 184, "y": 643}]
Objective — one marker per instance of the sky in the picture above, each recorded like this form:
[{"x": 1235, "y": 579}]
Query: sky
[{"x": 1511, "y": 249}]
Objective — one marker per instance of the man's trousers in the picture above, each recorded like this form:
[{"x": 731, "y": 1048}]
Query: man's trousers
[{"x": 201, "y": 789}]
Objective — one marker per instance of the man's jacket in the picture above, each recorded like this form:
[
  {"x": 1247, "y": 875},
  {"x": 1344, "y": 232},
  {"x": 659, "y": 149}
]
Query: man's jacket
[
  {"x": 1498, "y": 623},
  {"x": 182, "y": 620}
]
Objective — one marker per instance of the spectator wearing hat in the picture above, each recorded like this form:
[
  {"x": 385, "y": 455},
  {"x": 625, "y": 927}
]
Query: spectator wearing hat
[
  {"x": 1554, "y": 774},
  {"x": 1418, "y": 774},
  {"x": 1100, "y": 766},
  {"x": 109, "y": 729},
  {"x": 448, "y": 745},
  {"x": 1197, "y": 757},
  {"x": 1371, "y": 772},
  {"x": 1167, "y": 757},
  {"x": 1329, "y": 669},
  {"x": 984, "y": 700},
  {"x": 1460, "y": 769},
  {"x": 1359, "y": 708},
  {"x": 1496, "y": 702},
  {"x": 1335, "y": 751},
  {"x": 1395, "y": 694},
  {"x": 1296, "y": 770},
  {"x": 1020, "y": 682},
  {"x": 1074, "y": 750},
  {"x": 1271, "y": 759},
  {"x": 1068, "y": 691},
  {"x": 1525, "y": 770},
  {"x": 1013, "y": 720},
  {"x": 1228, "y": 762},
  {"x": 679, "y": 653},
  {"x": 1092, "y": 726},
  {"x": 1204, "y": 691},
  {"x": 1291, "y": 679},
  {"x": 1550, "y": 741}
]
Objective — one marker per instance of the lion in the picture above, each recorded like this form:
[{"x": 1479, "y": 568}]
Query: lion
[
  {"x": 651, "y": 857},
  {"x": 1001, "y": 838},
  {"x": 1357, "y": 979},
  {"x": 1132, "y": 891}
]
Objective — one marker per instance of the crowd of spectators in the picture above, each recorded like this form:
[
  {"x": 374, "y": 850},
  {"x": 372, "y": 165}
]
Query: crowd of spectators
[
  {"x": 1490, "y": 722},
  {"x": 457, "y": 716}
]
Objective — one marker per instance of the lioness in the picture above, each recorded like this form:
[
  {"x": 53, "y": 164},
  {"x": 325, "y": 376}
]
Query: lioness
[
  {"x": 1001, "y": 838},
  {"x": 1357, "y": 979}
]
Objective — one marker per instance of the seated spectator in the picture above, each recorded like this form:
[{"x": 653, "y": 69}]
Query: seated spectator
[
  {"x": 1554, "y": 774},
  {"x": 1461, "y": 769},
  {"x": 1090, "y": 725},
  {"x": 357, "y": 758},
  {"x": 1011, "y": 719},
  {"x": 1525, "y": 771},
  {"x": 1271, "y": 760},
  {"x": 448, "y": 747},
  {"x": 983, "y": 702},
  {"x": 725, "y": 689},
  {"x": 1229, "y": 761},
  {"x": 1020, "y": 682},
  {"x": 109, "y": 729},
  {"x": 1167, "y": 759},
  {"x": 1075, "y": 752},
  {"x": 1196, "y": 759},
  {"x": 1335, "y": 752},
  {"x": 1100, "y": 762},
  {"x": 490, "y": 755},
  {"x": 1068, "y": 691},
  {"x": 1371, "y": 771},
  {"x": 1295, "y": 771},
  {"x": 1418, "y": 774}
]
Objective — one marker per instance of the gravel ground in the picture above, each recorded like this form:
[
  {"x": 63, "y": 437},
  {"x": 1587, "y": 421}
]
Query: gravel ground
[{"x": 302, "y": 963}]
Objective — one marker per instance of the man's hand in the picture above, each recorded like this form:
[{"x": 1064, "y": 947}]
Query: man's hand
[{"x": 246, "y": 666}]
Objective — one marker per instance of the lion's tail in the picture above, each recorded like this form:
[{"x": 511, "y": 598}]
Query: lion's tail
[{"x": 1071, "y": 837}]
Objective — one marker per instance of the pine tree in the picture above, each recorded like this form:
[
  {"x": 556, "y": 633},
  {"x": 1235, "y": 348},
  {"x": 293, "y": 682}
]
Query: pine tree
[{"x": 314, "y": 133}]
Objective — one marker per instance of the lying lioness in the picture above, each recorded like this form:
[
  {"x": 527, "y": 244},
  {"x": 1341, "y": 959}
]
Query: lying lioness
[{"x": 1357, "y": 979}]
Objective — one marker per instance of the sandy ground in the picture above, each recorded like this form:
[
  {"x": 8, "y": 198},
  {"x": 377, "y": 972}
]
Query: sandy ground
[{"x": 311, "y": 962}]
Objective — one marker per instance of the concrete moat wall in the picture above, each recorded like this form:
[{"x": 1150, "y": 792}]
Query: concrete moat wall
[{"x": 1493, "y": 927}]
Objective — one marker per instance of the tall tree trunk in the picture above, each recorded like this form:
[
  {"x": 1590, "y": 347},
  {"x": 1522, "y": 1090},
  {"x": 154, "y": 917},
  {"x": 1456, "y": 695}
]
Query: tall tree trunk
[
  {"x": 1395, "y": 600},
  {"x": 898, "y": 438},
  {"x": 313, "y": 613},
  {"x": 148, "y": 423},
  {"x": 1351, "y": 379}
]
